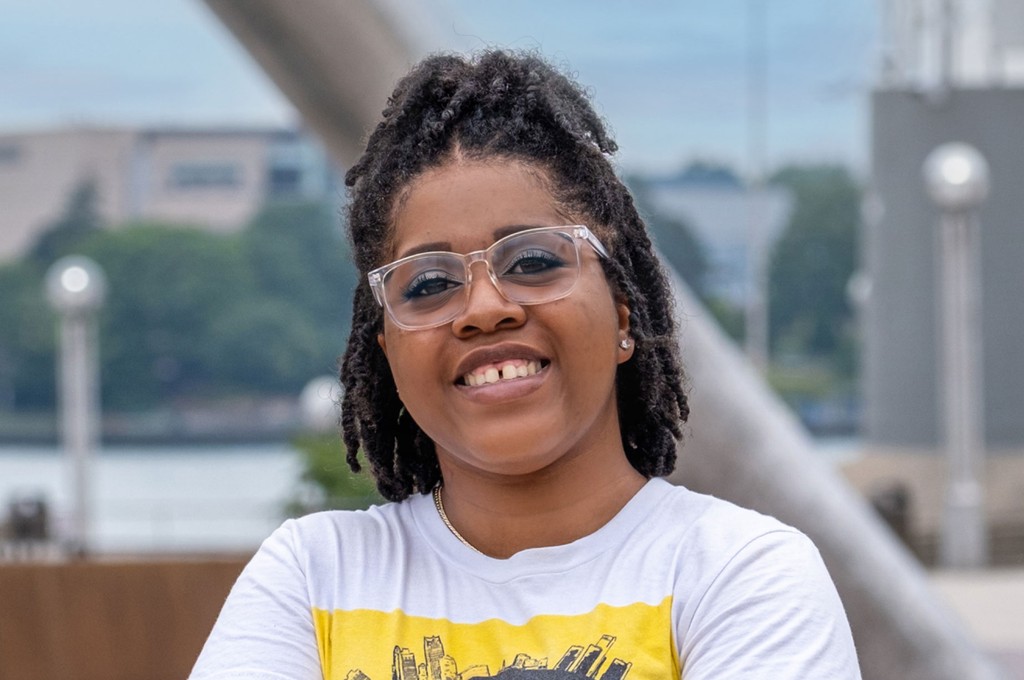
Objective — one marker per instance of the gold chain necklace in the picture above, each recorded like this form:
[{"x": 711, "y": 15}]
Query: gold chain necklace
[{"x": 444, "y": 518}]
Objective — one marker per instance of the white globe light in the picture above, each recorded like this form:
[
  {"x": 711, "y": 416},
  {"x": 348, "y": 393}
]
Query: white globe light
[
  {"x": 956, "y": 175},
  {"x": 320, "y": 403},
  {"x": 75, "y": 279},
  {"x": 75, "y": 284}
]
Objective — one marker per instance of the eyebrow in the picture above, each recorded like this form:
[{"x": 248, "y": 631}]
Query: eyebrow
[{"x": 446, "y": 246}]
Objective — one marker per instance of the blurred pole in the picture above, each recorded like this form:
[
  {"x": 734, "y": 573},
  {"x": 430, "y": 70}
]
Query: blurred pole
[
  {"x": 76, "y": 288},
  {"x": 756, "y": 308},
  {"x": 957, "y": 179}
]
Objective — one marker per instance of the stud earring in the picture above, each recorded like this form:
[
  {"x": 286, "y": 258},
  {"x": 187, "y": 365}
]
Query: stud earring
[{"x": 624, "y": 343}]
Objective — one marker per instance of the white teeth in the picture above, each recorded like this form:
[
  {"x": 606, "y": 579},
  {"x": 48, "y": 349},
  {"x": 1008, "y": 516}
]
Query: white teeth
[{"x": 508, "y": 371}]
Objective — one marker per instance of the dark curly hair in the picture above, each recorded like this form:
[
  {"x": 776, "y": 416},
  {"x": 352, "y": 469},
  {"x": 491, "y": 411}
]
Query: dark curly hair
[{"x": 514, "y": 106}]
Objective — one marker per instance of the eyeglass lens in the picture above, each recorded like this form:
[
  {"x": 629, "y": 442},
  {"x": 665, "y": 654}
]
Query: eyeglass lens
[{"x": 530, "y": 268}]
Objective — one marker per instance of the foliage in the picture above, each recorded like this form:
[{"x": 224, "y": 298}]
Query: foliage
[
  {"x": 812, "y": 263},
  {"x": 27, "y": 339},
  {"x": 299, "y": 257},
  {"x": 189, "y": 313},
  {"x": 328, "y": 483},
  {"x": 266, "y": 344},
  {"x": 167, "y": 287},
  {"x": 79, "y": 220},
  {"x": 731, "y": 319}
]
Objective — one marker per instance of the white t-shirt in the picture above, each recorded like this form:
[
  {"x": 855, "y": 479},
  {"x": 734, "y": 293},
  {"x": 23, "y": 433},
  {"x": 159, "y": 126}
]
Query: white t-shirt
[{"x": 676, "y": 585}]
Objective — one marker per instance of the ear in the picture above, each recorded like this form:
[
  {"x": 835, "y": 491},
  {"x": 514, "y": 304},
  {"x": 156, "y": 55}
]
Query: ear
[
  {"x": 383, "y": 343},
  {"x": 622, "y": 313}
]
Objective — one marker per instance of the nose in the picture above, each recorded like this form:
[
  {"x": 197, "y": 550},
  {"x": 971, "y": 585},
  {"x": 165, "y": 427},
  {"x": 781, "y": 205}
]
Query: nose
[{"x": 486, "y": 309}]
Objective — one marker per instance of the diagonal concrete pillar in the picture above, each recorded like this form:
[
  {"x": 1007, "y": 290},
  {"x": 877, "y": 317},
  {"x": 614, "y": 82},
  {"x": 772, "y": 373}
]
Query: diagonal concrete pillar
[
  {"x": 744, "y": 445},
  {"x": 336, "y": 60}
]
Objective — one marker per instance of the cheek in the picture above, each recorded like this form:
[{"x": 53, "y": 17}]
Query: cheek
[{"x": 412, "y": 358}]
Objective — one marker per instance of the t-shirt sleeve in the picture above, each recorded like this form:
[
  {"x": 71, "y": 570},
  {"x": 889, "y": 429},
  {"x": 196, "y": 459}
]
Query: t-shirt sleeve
[
  {"x": 265, "y": 630},
  {"x": 770, "y": 612}
]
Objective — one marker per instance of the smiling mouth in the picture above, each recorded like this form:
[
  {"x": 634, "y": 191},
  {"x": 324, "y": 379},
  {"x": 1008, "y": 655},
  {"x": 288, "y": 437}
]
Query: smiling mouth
[{"x": 502, "y": 371}]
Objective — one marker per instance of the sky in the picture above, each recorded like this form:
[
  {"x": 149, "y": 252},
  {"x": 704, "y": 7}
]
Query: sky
[{"x": 672, "y": 78}]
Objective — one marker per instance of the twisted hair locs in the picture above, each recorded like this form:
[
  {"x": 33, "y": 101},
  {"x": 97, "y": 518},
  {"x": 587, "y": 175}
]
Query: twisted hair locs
[{"x": 514, "y": 107}]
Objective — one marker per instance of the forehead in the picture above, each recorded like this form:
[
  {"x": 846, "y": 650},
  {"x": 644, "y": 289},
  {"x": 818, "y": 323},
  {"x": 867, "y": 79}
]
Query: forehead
[{"x": 465, "y": 205}]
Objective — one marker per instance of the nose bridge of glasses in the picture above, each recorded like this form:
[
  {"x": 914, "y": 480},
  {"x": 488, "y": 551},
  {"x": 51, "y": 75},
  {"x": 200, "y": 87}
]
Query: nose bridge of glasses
[{"x": 483, "y": 256}]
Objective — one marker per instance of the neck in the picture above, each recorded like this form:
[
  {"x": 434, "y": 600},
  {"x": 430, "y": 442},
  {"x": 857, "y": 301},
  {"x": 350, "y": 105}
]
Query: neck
[{"x": 500, "y": 516}]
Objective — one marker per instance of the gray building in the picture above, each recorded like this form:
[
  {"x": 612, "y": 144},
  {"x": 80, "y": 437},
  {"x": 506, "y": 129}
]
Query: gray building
[
  {"x": 952, "y": 72},
  {"x": 901, "y": 320},
  {"x": 211, "y": 177}
]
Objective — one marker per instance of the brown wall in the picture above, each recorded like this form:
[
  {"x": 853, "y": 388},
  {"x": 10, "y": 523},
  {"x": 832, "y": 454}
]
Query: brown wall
[{"x": 109, "y": 620}]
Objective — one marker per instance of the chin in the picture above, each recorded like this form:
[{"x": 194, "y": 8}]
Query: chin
[{"x": 498, "y": 458}]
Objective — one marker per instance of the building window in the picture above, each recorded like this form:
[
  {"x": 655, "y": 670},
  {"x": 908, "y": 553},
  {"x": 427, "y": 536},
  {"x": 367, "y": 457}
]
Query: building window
[
  {"x": 285, "y": 182},
  {"x": 205, "y": 176}
]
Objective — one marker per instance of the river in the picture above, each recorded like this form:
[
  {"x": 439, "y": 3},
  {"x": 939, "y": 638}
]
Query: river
[
  {"x": 163, "y": 499},
  {"x": 181, "y": 499}
]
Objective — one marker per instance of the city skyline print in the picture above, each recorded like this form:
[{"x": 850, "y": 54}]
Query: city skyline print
[
  {"x": 578, "y": 661},
  {"x": 607, "y": 642}
]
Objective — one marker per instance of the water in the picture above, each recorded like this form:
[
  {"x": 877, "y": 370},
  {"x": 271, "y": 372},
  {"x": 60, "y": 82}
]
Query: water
[
  {"x": 164, "y": 499},
  {"x": 186, "y": 499}
]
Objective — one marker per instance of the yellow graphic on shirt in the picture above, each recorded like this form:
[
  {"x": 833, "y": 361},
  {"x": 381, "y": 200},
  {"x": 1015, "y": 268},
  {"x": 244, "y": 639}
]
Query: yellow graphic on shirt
[{"x": 607, "y": 643}]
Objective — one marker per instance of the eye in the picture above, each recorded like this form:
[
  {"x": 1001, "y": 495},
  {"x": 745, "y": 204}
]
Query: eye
[
  {"x": 429, "y": 283},
  {"x": 533, "y": 261}
]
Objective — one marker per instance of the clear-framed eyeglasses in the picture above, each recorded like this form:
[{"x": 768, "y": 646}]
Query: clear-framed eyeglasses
[{"x": 529, "y": 267}]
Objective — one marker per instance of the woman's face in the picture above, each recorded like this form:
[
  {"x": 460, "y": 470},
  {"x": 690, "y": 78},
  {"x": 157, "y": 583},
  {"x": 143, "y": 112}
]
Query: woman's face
[{"x": 520, "y": 425}]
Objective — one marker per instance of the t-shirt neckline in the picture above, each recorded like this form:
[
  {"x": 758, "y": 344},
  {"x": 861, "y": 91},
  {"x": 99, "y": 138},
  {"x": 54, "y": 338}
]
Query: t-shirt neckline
[{"x": 535, "y": 561}]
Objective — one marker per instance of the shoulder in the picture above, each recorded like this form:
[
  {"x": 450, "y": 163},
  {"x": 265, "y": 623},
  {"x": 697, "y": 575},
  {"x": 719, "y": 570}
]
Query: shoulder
[
  {"x": 719, "y": 545},
  {"x": 325, "y": 542},
  {"x": 711, "y": 527},
  {"x": 333, "y": 533},
  {"x": 752, "y": 596}
]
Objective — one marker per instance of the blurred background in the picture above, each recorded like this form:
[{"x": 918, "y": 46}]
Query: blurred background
[{"x": 193, "y": 152}]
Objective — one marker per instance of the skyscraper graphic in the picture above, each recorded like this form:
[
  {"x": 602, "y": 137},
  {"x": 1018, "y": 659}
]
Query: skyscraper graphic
[
  {"x": 433, "y": 651},
  {"x": 404, "y": 665},
  {"x": 592, "y": 660},
  {"x": 356, "y": 674},
  {"x": 617, "y": 670},
  {"x": 569, "y": 659},
  {"x": 449, "y": 669},
  {"x": 478, "y": 671}
]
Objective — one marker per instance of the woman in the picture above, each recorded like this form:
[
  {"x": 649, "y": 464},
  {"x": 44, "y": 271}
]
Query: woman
[{"x": 512, "y": 378}]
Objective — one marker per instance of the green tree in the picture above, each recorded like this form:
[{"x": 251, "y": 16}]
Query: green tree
[
  {"x": 327, "y": 481},
  {"x": 79, "y": 220},
  {"x": 813, "y": 261},
  {"x": 299, "y": 256},
  {"x": 167, "y": 286},
  {"x": 27, "y": 339},
  {"x": 265, "y": 345}
]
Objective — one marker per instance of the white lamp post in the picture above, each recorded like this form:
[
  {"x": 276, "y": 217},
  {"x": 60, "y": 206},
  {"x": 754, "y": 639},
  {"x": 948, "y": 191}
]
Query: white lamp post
[
  {"x": 76, "y": 288},
  {"x": 320, "y": 402},
  {"x": 957, "y": 179}
]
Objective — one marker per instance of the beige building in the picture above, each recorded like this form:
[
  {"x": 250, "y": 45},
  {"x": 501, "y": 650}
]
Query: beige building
[{"x": 216, "y": 178}]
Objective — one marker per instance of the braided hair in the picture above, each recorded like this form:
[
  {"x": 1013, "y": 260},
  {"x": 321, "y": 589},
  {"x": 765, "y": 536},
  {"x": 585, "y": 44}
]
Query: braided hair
[{"x": 516, "y": 107}]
